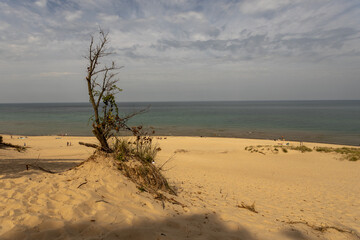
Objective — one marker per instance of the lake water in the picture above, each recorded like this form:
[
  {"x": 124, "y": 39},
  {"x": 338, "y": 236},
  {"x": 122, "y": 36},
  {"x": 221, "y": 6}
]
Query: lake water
[{"x": 317, "y": 121}]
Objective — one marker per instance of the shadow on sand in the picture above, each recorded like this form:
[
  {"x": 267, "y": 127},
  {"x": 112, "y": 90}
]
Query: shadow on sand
[
  {"x": 14, "y": 168},
  {"x": 177, "y": 227}
]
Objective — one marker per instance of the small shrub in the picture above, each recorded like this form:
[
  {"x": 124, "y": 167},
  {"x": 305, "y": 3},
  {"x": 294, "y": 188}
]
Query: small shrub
[
  {"x": 284, "y": 150},
  {"x": 324, "y": 149},
  {"x": 136, "y": 158},
  {"x": 9, "y": 145},
  {"x": 302, "y": 149}
]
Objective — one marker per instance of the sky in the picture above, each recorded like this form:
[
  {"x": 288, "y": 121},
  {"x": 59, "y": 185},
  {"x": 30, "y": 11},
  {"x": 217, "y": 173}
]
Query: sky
[{"x": 180, "y": 50}]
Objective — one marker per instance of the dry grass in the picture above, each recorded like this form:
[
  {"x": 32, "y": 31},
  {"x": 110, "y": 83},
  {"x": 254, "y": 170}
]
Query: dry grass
[
  {"x": 275, "y": 149},
  {"x": 248, "y": 207},
  {"x": 325, "y": 228},
  {"x": 146, "y": 175},
  {"x": 136, "y": 161},
  {"x": 256, "y": 149},
  {"x": 351, "y": 154},
  {"x": 302, "y": 148},
  {"x": 9, "y": 145}
]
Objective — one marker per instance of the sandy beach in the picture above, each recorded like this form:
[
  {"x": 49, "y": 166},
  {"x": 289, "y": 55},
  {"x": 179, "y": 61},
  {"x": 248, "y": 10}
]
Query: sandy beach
[{"x": 295, "y": 195}]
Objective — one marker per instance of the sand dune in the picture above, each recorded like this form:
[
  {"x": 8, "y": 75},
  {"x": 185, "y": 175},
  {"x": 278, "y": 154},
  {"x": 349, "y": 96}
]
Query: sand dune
[{"x": 297, "y": 195}]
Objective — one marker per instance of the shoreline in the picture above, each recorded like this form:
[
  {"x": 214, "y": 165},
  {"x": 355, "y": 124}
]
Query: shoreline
[{"x": 205, "y": 136}]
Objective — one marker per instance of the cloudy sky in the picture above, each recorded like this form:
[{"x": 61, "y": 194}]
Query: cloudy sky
[{"x": 176, "y": 50}]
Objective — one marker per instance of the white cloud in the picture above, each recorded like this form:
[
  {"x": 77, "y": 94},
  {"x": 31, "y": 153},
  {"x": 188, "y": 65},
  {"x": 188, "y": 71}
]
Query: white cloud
[
  {"x": 4, "y": 25},
  {"x": 155, "y": 39},
  {"x": 72, "y": 16},
  {"x": 55, "y": 74},
  {"x": 259, "y": 6},
  {"x": 41, "y": 3},
  {"x": 107, "y": 19},
  {"x": 185, "y": 17}
]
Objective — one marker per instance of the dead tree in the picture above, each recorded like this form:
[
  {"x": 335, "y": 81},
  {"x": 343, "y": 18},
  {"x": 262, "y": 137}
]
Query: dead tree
[{"x": 101, "y": 82}]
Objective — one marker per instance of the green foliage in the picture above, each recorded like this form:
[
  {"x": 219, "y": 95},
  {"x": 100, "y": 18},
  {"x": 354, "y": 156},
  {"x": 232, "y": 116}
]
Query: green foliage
[
  {"x": 142, "y": 148},
  {"x": 136, "y": 161}
]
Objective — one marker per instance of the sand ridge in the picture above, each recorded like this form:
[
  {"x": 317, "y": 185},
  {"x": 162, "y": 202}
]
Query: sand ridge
[{"x": 297, "y": 195}]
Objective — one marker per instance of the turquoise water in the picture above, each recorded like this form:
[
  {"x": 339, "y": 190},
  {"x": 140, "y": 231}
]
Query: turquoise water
[{"x": 320, "y": 121}]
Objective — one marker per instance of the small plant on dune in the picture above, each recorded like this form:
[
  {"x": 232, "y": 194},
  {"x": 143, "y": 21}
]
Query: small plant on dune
[
  {"x": 145, "y": 149},
  {"x": 248, "y": 207},
  {"x": 324, "y": 149},
  {"x": 136, "y": 157},
  {"x": 141, "y": 147}
]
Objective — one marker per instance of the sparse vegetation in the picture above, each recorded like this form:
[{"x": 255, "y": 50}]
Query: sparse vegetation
[
  {"x": 9, "y": 145},
  {"x": 302, "y": 148},
  {"x": 275, "y": 149},
  {"x": 351, "y": 154},
  {"x": 253, "y": 149},
  {"x": 248, "y": 207},
  {"x": 136, "y": 158},
  {"x": 142, "y": 147}
]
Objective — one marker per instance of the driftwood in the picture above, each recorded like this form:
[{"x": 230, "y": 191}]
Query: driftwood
[
  {"x": 39, "y": 168},
  {"x": 82, "y": 184},
  {"x": 89, "y": 145}
]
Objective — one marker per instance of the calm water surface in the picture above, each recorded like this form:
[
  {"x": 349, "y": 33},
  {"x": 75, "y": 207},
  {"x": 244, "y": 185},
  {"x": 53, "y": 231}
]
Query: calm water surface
[{"x": 320, "y": 121}]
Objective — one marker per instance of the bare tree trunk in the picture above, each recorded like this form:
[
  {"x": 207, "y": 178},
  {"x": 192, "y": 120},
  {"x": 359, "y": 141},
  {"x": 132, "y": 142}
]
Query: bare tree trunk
[
  {"x": 101, "y": 137},
  {"x": 101, "y": 82}
]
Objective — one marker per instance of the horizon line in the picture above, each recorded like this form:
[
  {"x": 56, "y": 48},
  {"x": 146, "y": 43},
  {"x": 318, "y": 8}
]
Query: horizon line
[{"x": 184, "y": 101}]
